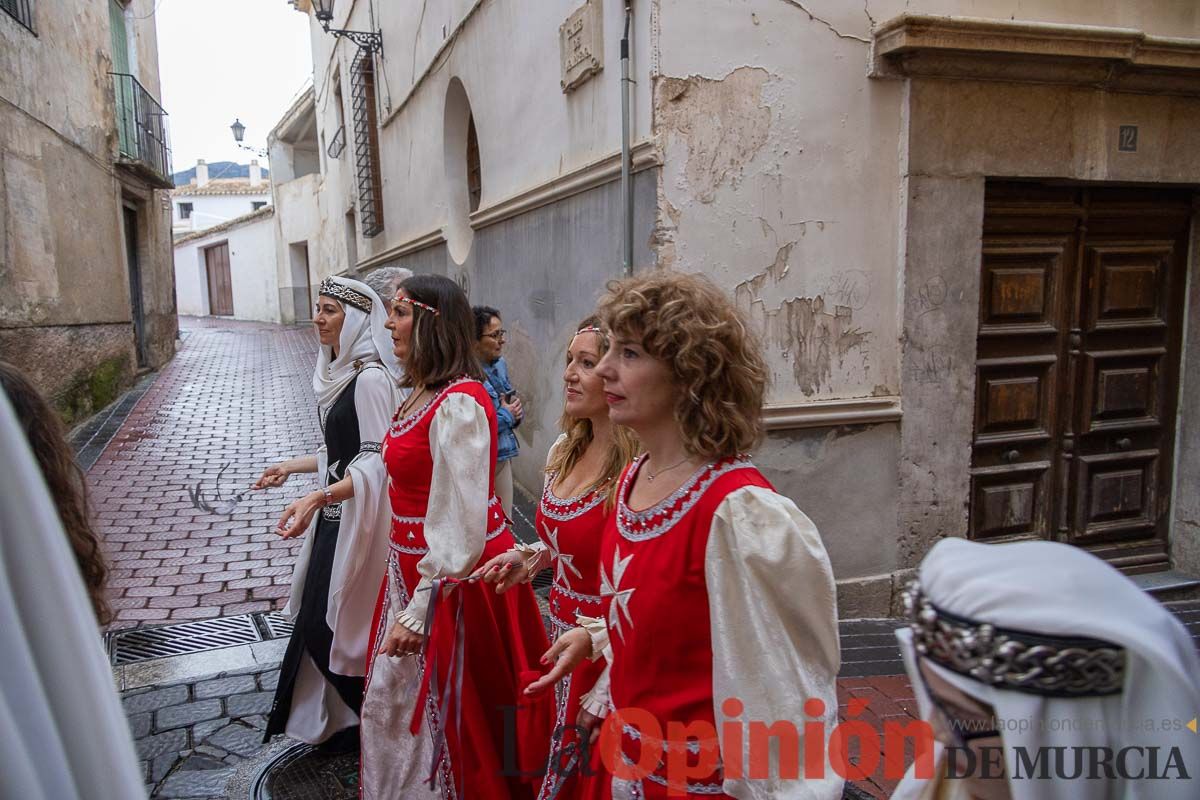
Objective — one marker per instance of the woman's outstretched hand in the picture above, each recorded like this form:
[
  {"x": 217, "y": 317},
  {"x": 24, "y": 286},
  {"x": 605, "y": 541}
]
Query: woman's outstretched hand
[
  {"x": 298, "y": 515},
  {"x": 273, "y": 476},
  {"x": 505, "y": 571},
  {"x": 567, "y": 653}
]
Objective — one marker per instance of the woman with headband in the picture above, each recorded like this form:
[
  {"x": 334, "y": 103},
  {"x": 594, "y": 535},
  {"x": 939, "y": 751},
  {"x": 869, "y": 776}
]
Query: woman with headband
[
  {"x": 448, "y": 655},
  {"x": 1046, "y": 674},
  {"x": 577, "y": 500},
  {"x": 344, "y": 522},
  {"x": 721, "y": 602}
]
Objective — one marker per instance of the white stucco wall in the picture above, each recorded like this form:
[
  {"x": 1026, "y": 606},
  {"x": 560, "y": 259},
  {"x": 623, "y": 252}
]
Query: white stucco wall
[
  {"x": 210, "y": 210},
  {"x": 252, "y": 271}
]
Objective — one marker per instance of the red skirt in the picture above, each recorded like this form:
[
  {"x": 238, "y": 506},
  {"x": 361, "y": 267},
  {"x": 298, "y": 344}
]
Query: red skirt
[{"x": 483, "y": 649}]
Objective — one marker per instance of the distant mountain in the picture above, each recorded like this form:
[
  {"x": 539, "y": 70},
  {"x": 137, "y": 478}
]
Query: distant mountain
[{"x": 217, "y": 169}]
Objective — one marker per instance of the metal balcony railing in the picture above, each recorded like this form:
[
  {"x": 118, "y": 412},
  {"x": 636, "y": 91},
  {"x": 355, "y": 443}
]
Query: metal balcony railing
[
  {"x": 142, "y": 130},
  {"x": 21, "y": 11},
  {"x": 338, "y": 144}
]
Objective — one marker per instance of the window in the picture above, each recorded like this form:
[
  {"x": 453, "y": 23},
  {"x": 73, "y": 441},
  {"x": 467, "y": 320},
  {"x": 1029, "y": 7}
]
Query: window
[
  {"x": 185, "y": 210},
  {"x": 351, "y": 240},
  {"x": 21, "y": 11},
  {"x": 257, "y": 204},
  {"x": 474, "y": 172}
]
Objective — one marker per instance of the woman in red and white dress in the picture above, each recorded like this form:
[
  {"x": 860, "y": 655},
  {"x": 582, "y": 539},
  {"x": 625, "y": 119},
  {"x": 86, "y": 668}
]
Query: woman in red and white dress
[
  {"x": 449, "y": 655},
  {"x": 577, "y": 500},
  {"x": 721, "y": 599}
]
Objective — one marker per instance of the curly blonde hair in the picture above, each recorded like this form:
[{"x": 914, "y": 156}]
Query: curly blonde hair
[
  {"x": 623, "y": 445},
  {"x": 715, "y": 359}
]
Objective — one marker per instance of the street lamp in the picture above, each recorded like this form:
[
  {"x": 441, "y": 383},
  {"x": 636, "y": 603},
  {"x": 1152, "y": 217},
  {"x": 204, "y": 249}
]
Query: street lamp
[
  {"x": 239, "y": 133},
  {"x": 368, "y": 41}
]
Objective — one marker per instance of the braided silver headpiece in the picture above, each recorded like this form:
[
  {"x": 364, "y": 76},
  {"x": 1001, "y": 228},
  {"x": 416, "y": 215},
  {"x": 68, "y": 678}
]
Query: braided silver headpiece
[
  {"x": 1055, "y": 666},
  {"x": 331, "y": 288}
]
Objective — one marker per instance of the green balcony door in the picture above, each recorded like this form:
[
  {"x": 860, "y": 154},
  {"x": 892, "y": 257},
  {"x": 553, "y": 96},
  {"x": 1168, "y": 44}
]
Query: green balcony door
[{"x": 126, "y": 111}]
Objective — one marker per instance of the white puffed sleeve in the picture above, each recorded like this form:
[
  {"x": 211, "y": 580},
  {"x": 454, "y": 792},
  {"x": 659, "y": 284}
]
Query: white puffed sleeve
[
  {"x": 362, "y": 548},
  {"x": 773, "y": 612},
  {"x": 456, "y": 519}
]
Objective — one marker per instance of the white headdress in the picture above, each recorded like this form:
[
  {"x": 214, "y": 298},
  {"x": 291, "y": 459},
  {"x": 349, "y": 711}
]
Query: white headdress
[
  {"x": 363, "y": 340},
  {"x": 1067, "y": 651}
]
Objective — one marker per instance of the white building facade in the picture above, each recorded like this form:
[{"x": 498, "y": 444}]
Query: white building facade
[
  {"x": 206, "y": 202},
  {"x": 228, "y": 270},
  {"x": 963, "y": 230}
]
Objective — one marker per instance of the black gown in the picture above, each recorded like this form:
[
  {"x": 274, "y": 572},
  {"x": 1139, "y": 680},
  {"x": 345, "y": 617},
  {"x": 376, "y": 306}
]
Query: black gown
[{"x": 311, "y": 633}]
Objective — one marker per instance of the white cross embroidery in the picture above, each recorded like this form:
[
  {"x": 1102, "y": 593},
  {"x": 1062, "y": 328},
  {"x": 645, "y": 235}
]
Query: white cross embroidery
[
  {"x": 620, "y": 597},
  {"x": 564, "y": 561}
]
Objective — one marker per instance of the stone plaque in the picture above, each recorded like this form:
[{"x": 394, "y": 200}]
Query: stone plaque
[{"x": 581, "y": 44}]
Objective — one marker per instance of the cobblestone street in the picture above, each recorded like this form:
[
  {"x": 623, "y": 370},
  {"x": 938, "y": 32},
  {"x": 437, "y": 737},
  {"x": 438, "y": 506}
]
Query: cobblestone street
[{"x": 237, "y": 393}]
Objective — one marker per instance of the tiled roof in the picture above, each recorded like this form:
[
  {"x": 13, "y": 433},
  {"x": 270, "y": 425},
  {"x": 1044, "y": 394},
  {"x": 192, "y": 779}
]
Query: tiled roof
[
  {"x": 223, "y": 186},
  {"x": 244, "y": 219}
]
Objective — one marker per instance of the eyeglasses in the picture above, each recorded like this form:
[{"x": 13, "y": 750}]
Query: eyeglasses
[
  {"x": 498, "y": 336},
  {"x": 962, "y": 730}
]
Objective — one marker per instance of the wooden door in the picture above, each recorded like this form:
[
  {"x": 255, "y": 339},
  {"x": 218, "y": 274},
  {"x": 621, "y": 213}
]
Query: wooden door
[
  {"x": 220, "y": 283},
  {"x": 134, "y": 269},
  {"x": 1080, "y": 320}
]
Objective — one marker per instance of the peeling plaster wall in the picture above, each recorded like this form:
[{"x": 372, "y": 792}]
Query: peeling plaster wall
[
  {"x": 66, "y": 310},
  {"x": 781, "y": 182}
]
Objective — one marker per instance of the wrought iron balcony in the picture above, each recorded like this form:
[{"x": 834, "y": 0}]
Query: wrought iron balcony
[
  {"x": 337, "y": 144},
  {"x": 142, "y": 130}
]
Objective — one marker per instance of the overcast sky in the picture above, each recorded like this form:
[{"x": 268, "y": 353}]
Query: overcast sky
[{"x": 221, "y": 59}]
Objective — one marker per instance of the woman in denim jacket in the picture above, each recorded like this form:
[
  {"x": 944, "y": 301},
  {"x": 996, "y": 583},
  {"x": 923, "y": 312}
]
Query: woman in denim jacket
[{"x": 509, "y": 413}]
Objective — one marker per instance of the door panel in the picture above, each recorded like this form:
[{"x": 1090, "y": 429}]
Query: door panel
[
  {"x": 220, "y": 282},
  {"x": 1077, "y": 367}
]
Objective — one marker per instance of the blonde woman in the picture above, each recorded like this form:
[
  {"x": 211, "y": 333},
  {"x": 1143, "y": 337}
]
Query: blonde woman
[
  {"x": 721, "y": 598},
  {"x": 577, "y": 500}
]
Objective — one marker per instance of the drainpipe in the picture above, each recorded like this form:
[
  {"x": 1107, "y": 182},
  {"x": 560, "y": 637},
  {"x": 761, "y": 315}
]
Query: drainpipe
[{"x": 626, "y": 157}]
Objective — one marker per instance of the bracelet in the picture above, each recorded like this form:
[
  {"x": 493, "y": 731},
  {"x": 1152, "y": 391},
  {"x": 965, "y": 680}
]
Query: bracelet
[{"x": 328, "y": 495}]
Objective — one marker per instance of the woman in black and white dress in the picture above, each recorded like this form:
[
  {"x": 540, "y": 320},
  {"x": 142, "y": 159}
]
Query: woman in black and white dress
[{"x": 345, "y": 522}]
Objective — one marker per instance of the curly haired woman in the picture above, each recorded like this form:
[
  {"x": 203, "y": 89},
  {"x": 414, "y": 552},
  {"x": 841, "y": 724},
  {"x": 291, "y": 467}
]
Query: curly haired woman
[{"x": 721, "y": 599}]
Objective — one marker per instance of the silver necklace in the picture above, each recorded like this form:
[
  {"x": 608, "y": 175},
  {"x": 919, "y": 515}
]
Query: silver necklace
[{"x": 650, "y": 476}]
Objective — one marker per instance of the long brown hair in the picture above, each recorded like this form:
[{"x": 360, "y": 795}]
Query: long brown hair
[
  {"x": 443, "y": 344},
  {"x": 716, "y": 360},
  {"x": 64, "y": 478},
  {"x": 623, "y": 445}
]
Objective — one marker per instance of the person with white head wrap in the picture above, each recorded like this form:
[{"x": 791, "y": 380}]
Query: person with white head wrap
[
  {"x": 1080, "y": 683},
  {"x": 345, "y": 522}
]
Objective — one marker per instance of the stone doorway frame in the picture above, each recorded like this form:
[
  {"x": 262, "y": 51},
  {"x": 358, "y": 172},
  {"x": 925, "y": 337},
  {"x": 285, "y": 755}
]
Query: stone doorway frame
[{"x": 1027, "y": 104}]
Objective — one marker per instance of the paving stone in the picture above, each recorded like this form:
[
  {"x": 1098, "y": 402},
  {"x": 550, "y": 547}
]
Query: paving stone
[
  {"x": 239, "y": 739},
  {"x": 245, "y": 704},
  {"x": 201, "y": 730},
  {"x": 140, "y": 725},
  {"x": 210, "y": 751},
  {"x": 257, "y": 721},
  {"x": 269, "y": 680},
  {"x": 224, "y": 687},
  {"x": 187, "y": 714},
  {"x": 170, "y": 742},
  {"x": 201, "y": 761},
  {"x": 155, "y": 699},
  {"x": 195, "y": 783},
  {"x": 161, "y": 765}
]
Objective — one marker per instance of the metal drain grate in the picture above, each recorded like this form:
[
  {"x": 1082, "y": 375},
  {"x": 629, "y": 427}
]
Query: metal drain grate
[
  {"x": 277, "y": 625},
  {"x": 143, "y": 644}
]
